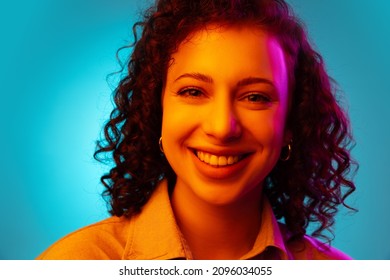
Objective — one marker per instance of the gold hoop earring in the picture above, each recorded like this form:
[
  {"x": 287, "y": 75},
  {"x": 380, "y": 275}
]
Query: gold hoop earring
[
  {"x": 160, "y": 145},
  {"x": 289, "y": 149}
]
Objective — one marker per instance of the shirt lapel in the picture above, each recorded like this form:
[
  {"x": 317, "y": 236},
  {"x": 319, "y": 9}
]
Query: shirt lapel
[{"x": 154, "y": 234}]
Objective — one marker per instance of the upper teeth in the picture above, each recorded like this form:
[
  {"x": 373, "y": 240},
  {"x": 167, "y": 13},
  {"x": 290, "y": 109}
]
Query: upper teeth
[{"x": 216, "y": 160}]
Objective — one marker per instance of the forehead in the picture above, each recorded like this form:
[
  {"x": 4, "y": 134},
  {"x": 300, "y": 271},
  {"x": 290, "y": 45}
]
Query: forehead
[
  {"x": 226, "y": 51},
  {"x": 233, "y": 36}
]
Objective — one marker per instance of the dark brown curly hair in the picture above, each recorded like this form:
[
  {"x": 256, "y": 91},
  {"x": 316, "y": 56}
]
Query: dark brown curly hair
[{"x": 307, "y": 188}]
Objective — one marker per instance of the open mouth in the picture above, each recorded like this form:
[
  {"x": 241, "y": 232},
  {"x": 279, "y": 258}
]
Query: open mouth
[{"x": 218, "y": 161}]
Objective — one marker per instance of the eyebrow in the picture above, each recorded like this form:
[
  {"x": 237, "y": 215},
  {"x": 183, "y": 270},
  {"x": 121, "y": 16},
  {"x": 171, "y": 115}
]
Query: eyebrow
[
  {"x": 197, "y": 76},
  {"x": 254, "y": 80},
  {"x": 244, "y": 82}
]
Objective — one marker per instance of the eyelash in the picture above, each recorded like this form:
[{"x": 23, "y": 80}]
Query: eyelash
[
  {"x": 186, "y": 92},
  {"x": 263, "y": 98},
  {"x": 193, "y": 92}
]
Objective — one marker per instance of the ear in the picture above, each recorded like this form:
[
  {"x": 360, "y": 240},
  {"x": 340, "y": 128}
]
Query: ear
[{"x": 287, "y": 137}]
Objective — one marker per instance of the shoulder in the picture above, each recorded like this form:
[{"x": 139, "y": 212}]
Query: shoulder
[
  {"x": 103, "y": 240},
  {"x": 310, "y": 248}
]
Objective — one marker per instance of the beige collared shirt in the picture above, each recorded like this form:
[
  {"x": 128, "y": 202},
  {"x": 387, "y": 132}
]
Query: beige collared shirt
[{"x": 154, "y": 235}]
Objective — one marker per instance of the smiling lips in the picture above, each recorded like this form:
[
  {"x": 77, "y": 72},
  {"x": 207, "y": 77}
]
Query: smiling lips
[{"x": 218, "y": 161}]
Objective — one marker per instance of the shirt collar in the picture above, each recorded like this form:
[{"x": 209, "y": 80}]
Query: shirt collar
[
  {"x": 155, "y": 235},
  {"x": 269, "y": 238}
]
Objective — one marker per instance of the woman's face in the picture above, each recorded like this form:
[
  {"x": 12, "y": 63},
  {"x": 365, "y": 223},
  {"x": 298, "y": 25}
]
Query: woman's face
[{"x": 225, "y": 103}]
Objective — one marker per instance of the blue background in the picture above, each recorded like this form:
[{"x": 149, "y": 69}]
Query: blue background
[{"x": 54, "y": 97}]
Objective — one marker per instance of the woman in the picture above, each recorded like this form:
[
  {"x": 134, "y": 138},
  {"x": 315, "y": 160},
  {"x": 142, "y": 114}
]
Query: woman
[{"x": 227, "y": 141}]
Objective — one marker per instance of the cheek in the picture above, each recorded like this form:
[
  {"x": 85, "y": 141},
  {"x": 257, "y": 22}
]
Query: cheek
[
  {"x": 177, "y": 123},
  {"x": 180, "y": 118},
  {"x": 267, "y": 128}
]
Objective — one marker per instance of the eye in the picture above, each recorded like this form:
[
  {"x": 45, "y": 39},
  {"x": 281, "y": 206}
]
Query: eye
[
  {"x": 190, "y": 92},
  {"x": 257, "y": 98}
]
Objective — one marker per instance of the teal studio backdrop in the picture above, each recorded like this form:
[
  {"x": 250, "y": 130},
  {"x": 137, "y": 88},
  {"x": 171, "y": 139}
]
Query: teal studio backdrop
[{"x": 54, "y": 97}]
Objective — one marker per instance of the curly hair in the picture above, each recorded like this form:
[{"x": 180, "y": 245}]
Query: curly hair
[{"x": 307, "y": 188}]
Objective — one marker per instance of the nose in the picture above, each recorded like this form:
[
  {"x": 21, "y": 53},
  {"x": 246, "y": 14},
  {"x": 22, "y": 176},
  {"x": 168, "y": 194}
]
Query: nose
[{"x": 222, "y": 123}]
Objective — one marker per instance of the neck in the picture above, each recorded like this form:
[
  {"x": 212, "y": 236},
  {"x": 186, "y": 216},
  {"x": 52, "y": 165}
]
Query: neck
[{"x": 217, "y": 231}]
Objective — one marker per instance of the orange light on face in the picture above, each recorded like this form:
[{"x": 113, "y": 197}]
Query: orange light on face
[{"x": 224, "y": 110}]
